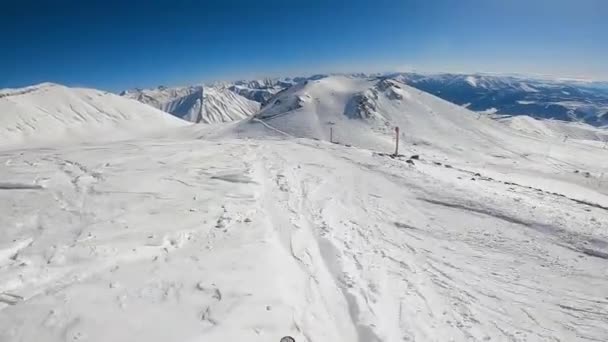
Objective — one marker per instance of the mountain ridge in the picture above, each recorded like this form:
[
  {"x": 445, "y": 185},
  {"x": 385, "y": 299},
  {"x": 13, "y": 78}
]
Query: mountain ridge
[{"x": 543, "y": 98}]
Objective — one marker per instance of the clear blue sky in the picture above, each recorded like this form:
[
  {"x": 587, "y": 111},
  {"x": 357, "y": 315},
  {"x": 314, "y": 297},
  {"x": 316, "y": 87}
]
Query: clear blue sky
[{"x": 123, "y": 44}]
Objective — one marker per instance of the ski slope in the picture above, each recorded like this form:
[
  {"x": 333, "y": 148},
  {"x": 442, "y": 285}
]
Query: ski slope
[
  {"x": 255, "y": 239},
  {"x": 254, "y": 230}
]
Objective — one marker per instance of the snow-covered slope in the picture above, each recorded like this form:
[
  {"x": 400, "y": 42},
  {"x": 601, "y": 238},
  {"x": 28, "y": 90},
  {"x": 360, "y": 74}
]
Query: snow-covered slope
[
  {"x": 365, "y": 111},
  {"x": 200, "y": 104},
  {"x": 556, "y": 128},
  {"x": 183, "y": 102},
  {"x": 49, "y": 111},
  {"x": 254, "y": 239},
  {"x": 220, "y": 104}
]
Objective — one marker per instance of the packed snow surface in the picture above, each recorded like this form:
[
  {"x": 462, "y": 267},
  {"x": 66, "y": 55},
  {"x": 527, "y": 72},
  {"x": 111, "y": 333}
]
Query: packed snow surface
[{"x": 254, "y": 230}]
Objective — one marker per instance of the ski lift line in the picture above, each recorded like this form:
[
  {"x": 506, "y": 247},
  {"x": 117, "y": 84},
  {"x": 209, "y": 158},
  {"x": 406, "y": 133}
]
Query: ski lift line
[{"x": 272, "y": 128}]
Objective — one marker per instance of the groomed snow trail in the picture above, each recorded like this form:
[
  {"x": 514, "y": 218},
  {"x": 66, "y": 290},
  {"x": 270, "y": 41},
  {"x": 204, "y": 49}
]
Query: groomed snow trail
[{"x": 172, "y": 240}]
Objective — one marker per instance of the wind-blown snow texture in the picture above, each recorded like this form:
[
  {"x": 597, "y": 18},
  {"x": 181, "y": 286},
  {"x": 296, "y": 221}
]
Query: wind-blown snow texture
[{"x": 253, "y": 230}]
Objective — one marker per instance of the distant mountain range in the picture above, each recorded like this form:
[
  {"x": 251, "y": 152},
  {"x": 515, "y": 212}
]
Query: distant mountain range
[
  {"x": 566, "y": 100},
  {"x": 353, "y": 105}
]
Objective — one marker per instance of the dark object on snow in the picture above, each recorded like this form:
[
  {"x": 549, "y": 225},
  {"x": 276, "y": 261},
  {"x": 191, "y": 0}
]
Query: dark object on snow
[
  {"x": 415, "y": 156},
  {"x": 448, "y": 166},
  {"x": 576, "y": 171},
  {"x": 288, "y": 339},
  {"x": 473, "y": 179},
  {"x": 477, "y": 175},
  {"x": 586, "y": 174},
  {"x": 393, "y": 156},
  {"x": 409, "y": 161},
  {"x": 437, "y": 163}
]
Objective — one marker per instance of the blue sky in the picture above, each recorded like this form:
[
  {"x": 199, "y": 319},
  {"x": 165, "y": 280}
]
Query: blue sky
[{"x": 116, "y": 45}]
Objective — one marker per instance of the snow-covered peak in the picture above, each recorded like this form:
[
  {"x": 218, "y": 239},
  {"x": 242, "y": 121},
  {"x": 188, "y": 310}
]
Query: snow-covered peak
[
  {"x": 471, "y": 80},
  {"x": 41, "y": 87},
  {"x": 365, "y": 111},
  {"x": 47, "y": 112},
  {"x": 206, "y": 104}
]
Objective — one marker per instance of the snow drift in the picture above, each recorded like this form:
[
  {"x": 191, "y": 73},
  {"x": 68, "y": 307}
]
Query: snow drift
[{"x": 50, "y": 112}]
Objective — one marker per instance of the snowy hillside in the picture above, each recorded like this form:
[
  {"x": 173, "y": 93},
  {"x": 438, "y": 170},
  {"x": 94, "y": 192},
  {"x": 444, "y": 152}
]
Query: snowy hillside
[
  {"x": 556, "y": 128},
  {"x": 183, "y": 102},
  {"x": 365, "y": 111},
  {"x": 206, "y": 104},
  {"x": 230, "y": 240},
  {"x": 53, "y": 112}
]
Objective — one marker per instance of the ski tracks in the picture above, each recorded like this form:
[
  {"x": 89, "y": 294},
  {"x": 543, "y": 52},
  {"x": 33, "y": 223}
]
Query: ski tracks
[{"x": 330, "y": 246}]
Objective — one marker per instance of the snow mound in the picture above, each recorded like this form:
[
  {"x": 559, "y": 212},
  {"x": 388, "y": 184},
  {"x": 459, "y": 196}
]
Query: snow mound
[
  {"x": 48, "y": 112},
  {"x": 200, "y": 104}
]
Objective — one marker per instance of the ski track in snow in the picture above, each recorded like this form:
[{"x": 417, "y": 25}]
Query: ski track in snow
[{"x": 257, "y": 239}]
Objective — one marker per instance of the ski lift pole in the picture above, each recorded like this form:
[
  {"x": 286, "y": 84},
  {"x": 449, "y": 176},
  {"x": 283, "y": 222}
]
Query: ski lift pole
[
  {"x": 331, "y": 130},
  {"x": 396, "y": 141}
]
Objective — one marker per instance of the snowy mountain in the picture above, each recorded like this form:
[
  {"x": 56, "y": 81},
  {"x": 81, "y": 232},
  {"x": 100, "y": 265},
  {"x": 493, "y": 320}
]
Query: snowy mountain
[
  {"x": 183, "y": 102},
  {"x": 484, "y": 230},
  {"x": 365, "y": 111},
  {"x": 262, "y": 90},
  {"x": 200, "y": 104},
  {"x": 53, "y": 112},
  {"x": 566, "y": 100}
]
